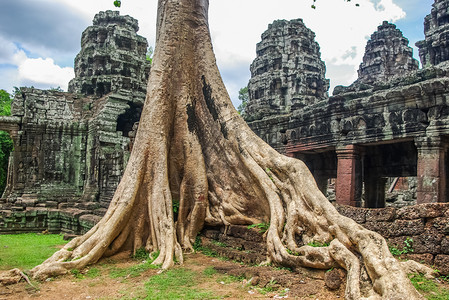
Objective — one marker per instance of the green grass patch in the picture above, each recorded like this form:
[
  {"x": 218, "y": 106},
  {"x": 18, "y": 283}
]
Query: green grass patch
[
  {"x": 135, "y": 270},
  {"x": 428, "y": 288},
  {"x": 93, "y": 273},
  {"x": 209, "y": 271},
  {"x": 176, "y": 284},
  {"x": 25, "y": 251}
]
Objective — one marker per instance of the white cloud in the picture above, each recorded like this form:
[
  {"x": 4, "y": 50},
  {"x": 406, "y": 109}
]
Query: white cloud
[
  {"x": 341, "y": 29},
  {"x": 45, "y": 72}
]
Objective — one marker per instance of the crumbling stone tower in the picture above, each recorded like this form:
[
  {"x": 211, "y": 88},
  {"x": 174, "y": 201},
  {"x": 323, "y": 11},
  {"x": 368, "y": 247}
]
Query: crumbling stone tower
[
  {"x": 387, "y": 54},
  {"x": 70, "y": 149},
  {"x": 287, "y": 73},
  {"x": 434, "y": 49},
  {"x": 111, "y": 57}
]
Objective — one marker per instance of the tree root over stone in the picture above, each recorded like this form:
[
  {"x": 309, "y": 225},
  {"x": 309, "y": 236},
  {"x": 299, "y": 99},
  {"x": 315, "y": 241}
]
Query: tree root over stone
[{"x": 192, "y": 147}]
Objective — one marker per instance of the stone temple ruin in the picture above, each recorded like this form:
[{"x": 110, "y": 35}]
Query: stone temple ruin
[
  {"x": 392, "y": 122},
  {"x": 70, "y": 149}
]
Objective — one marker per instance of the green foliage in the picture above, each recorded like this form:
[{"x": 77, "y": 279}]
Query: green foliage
[
  {"x": 175, "y": 284},
  {"x": 208, "y": 251},
  {"x": 314, "y": 1},
  {"x": 263, "y": 227},
  {"x": 408, "y": 248},
  {"x": 25, "y": 251},
  {"x": 218, "y": 243},
  {"x": 57, "y": 89},
  {"x": 141, "y": 253},
  {"x": 317, "y": 244},
  {"x": 175, "y": 205},
  {"x": 77, "y": 274},
  {"x": 149, "y": 55},
  {"x": 292, "y": 252},
  {"x": 428, "y": 288},
  {"x": 269, "y": 287},
  {"x": 6, "y": 143},
  {"x": 197, "y": 245},
  {"x": 117, "y": 3},
  {"x": 5, "y": 103},
  {"x": 244, "y": 97}
]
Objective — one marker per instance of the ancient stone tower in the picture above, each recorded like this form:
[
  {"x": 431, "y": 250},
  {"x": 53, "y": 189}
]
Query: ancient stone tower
[
  {"x": 287, "y": 73},
  {"x": 70, "y": 149},
  {"x": 111, "y": 57},
  {"x": 434, "y": 49},
  {"x": 387, "y": 54}
]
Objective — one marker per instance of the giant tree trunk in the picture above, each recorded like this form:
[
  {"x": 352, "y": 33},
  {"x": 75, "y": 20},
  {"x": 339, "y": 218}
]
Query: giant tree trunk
[{"x": 193, "y": 147}]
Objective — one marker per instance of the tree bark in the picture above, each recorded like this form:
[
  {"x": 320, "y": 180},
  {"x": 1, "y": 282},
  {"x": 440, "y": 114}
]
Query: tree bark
[{"x": 192, "y": 147}]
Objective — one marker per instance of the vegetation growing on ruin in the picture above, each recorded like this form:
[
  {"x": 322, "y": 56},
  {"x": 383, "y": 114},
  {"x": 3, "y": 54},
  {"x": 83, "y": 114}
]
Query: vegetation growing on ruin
[{"x": 6, "y": 144}]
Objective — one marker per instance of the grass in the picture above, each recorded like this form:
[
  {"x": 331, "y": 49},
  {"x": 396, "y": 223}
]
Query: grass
[
  {"x": 135, "y": 270},
  {"x": 25, "y": 251},
  {"x": 176, "y": 283},
  {"x": 428, "y": 288}
]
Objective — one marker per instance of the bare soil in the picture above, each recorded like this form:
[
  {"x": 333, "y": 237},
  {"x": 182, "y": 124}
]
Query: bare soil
[{"x": 253, "y": 283}]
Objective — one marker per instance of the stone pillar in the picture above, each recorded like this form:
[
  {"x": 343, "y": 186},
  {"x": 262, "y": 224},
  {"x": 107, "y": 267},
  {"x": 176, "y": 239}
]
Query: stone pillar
[
  {"x": 348, "y": 188},
  {"x": 375, "y": 192},
  {"x": 431, "y": 170}
]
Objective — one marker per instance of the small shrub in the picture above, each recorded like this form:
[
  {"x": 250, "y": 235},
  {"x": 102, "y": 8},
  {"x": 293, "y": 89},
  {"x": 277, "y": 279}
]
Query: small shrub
[
  {"x": 263, "y": 227},
  {"x": 292, "y": 252},
  {"x": 77, "y": 274},
  {"x": 141, "y": 253},
  {"x": 317, "y": 244},
  {"x": 408, "y": 248}
]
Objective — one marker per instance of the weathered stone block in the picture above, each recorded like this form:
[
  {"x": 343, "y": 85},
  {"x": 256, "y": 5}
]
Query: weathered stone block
[
  {"x": 445, "y": 245},
  {"x": 406, "y": 227},
  {"x": 357, "y": 214},
  {"x": 427, "y": 243},
  {"x": 249, "y": 234},
  {"x": 383, "y": 228},
  {"x": 442, "y": 264},
  {"x": 381, "y": 214},
  {"x": 421, "y": 258}
]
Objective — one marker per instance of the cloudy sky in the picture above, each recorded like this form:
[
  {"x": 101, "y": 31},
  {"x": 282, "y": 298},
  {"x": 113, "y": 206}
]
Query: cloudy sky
[{"x": 39, "y": 39}]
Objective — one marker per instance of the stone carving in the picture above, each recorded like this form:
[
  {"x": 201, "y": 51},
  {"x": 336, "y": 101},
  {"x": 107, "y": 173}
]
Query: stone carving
[
  {"x": 434, "y": 49},
  {"x": 70, "y": 149},
  {"x": 287, "y": 73}
]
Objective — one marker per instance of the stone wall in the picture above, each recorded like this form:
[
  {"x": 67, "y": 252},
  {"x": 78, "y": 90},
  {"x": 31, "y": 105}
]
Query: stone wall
[
  {"x": 424, "y": 227},
  {"x": 427, "y": 225}
]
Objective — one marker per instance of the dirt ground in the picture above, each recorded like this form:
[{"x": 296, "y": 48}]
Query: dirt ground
[{"x": 253, "y": 283}]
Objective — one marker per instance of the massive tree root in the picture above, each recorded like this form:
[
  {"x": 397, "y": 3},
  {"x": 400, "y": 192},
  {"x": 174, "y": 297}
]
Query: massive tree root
[{"x": 192, "y": 147}]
